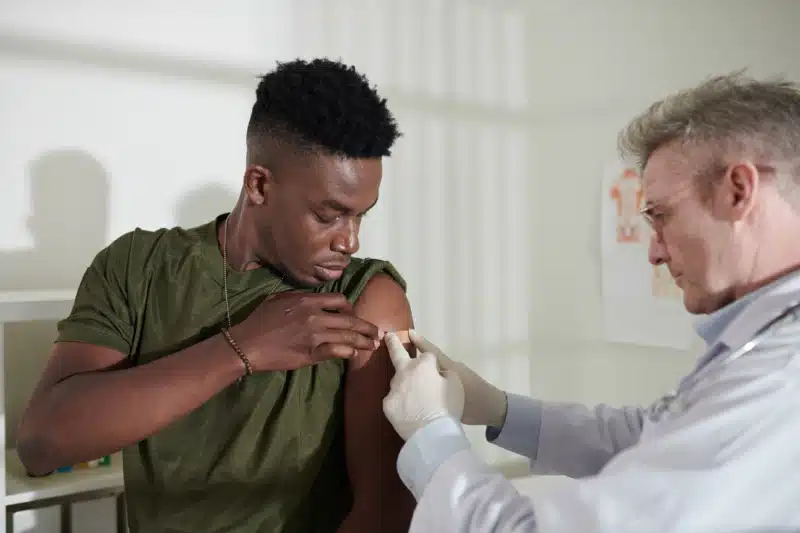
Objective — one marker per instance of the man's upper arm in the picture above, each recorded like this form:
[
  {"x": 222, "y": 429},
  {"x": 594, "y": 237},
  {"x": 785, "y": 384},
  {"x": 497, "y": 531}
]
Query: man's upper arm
[
  {"x": 98, "y": 332},
  {"x": 95, "y": 336},
  {"x": 100, "y": 314},
  {"x": 372, "y": 445}
]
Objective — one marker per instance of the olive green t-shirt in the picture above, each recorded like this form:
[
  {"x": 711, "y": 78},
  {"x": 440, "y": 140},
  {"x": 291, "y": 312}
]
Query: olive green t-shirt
[{"x": 266, "y": 455}]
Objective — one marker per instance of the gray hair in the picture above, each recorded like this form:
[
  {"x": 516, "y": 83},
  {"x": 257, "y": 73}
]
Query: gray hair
[{"x": 758, "y": 118}]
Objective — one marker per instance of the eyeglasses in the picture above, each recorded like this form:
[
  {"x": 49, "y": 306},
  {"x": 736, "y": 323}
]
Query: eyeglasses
[
  {"x": 651, "y": 216},
  {"x": 656, "y": 216}
]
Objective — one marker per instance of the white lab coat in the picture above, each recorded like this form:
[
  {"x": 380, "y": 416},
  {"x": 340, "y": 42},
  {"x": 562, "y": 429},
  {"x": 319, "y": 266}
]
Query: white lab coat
[{"x": 726, "y": 461}]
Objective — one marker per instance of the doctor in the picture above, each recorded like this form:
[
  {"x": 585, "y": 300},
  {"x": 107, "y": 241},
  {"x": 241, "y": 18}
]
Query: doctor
[{"x": 721, "y": 176}]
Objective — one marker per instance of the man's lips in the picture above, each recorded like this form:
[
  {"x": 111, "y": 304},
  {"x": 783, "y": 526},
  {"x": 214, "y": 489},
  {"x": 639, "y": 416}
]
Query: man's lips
[{"x": 330, "y": 271}]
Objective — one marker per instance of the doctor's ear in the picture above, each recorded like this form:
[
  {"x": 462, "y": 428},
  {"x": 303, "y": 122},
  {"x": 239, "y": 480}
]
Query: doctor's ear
[
  {"x": 737, "y": 192},
  {"x": 257, "y": 182}
]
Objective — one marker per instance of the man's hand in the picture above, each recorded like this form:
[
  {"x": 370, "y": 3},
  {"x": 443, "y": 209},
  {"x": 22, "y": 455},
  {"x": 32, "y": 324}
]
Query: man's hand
[
  {"x": 484, "y": 404},
  {"x": 293, "y": 330},
  {"x": 418, "y": 393}
]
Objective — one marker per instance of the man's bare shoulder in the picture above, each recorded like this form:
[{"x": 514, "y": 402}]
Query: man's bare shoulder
[{"x": 377, "y": 274}]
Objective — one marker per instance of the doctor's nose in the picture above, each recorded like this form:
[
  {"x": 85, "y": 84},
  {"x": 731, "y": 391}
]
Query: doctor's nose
[{"x": 657, "y": 251}]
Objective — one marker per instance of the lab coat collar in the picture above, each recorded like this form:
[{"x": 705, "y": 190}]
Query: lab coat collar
[
  {"x": 742, "y": 318},
  {"x": 769, "y": 305},
  {"x": 738, "y": 322},
  {"x": 710, "y": 327}
]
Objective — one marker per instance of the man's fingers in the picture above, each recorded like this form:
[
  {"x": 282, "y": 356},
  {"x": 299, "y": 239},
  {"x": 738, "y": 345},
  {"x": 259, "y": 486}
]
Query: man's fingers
[
  {"x": 365, "y": 328},
  {"x": 344, "y": 337},
  {"x": 397, "y": 352},
  {"x": 326, "y": 351},
  {"x": 352, "y": 323}
]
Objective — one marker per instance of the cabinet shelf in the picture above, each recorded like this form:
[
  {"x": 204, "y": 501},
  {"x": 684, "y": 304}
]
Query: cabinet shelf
[
  {"x": 18, "y": 491},
  {"x": 21, "y": 488}
]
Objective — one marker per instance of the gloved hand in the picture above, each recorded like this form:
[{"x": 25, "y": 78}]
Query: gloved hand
[
  {"x": 418, "y": 393},
  {"x": 484, "y": 404}
]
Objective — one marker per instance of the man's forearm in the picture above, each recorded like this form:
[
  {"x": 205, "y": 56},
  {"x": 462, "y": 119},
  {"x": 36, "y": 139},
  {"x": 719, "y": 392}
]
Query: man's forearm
[{"x": 93, "y": 414}]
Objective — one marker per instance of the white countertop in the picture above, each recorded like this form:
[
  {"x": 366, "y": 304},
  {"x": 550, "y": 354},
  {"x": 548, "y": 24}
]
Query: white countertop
[{"x": 20, "y": 488}]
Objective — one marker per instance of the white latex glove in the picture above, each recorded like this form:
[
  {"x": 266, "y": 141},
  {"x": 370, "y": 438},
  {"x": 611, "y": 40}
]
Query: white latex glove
[
  {"x": 484, "y": 404},
  {"x": 418, "y": 392}
]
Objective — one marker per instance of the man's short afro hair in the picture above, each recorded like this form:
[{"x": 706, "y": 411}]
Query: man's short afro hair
[{"x": 322, "y": 105}]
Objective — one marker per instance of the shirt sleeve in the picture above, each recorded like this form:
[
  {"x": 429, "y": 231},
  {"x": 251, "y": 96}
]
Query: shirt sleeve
[
  {"x": 577, "y": 441},
  {"x": 520, "y": 432},
  {"x": 564, "y": 438},
  {"x": 101, "y": 314}
]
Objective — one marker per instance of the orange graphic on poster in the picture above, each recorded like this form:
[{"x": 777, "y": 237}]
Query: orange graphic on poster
[
  {"x": 627, "y": 192},
  {"x": 663, "y": 284}
]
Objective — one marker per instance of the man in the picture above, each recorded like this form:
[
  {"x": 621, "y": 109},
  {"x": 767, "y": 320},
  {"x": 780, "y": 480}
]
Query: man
[
  {"x": 235, "y": 363},
  {"x": 721, "y": 176}
]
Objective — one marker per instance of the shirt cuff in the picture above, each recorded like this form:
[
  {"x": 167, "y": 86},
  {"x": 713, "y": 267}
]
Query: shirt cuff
[
  {"x": 520, "y": 431},
  {"x": 426, "y": 450}
]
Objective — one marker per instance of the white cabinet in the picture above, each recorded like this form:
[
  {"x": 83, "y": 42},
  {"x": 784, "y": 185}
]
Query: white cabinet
[{"x": 20, "y": 491}]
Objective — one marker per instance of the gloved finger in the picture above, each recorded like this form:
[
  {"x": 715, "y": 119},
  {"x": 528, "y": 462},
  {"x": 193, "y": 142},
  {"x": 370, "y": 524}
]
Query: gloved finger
[
  {"x": 455, "y": 385},
  {"x": 445, "y": 362},
  {"x": 397, "y": 352},
  {"x": 456, "y": 395},
  {"x": 390, "y": 405},
  {"x": 428, "y": 359},
  {"x": 452, "y": 376},
  {"x": 422, "y": 344}
]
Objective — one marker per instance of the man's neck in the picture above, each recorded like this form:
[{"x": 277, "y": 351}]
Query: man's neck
[
  {"x": 235, "y": 236},
  {"x": 777, "y": 256}
]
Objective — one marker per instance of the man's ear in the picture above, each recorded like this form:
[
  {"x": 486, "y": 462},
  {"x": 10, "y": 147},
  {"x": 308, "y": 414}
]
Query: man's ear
[
  {"x": 738, "y": 190},
  {"x": 257, "y": 182}
]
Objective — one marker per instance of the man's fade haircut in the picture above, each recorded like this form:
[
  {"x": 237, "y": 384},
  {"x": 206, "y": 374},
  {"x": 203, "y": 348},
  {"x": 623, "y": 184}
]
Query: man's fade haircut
[
  {"x": 759, "y": 119},
  {"x": 320, "y": 106}
]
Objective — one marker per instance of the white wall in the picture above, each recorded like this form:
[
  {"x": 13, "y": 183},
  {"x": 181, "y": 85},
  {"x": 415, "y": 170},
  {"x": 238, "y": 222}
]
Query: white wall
[
  {"x": 592, "y": 67},
  {"x": 119, "y": 114}
]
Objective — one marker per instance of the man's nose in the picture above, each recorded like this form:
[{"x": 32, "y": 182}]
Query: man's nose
[
  {"x": 656, "y": 251},
  {"x": 346, "y": 241}
]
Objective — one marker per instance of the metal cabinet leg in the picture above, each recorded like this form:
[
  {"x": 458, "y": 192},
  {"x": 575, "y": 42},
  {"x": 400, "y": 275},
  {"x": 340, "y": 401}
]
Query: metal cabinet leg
[
  {"x": 66, "y": 518},
  {"x": 122, "y": 519},
  {"x": 64, "y": 504}
]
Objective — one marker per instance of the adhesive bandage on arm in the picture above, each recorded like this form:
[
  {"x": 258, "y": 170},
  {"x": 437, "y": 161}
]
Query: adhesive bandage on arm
[{"x": 403, "y": 336}]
